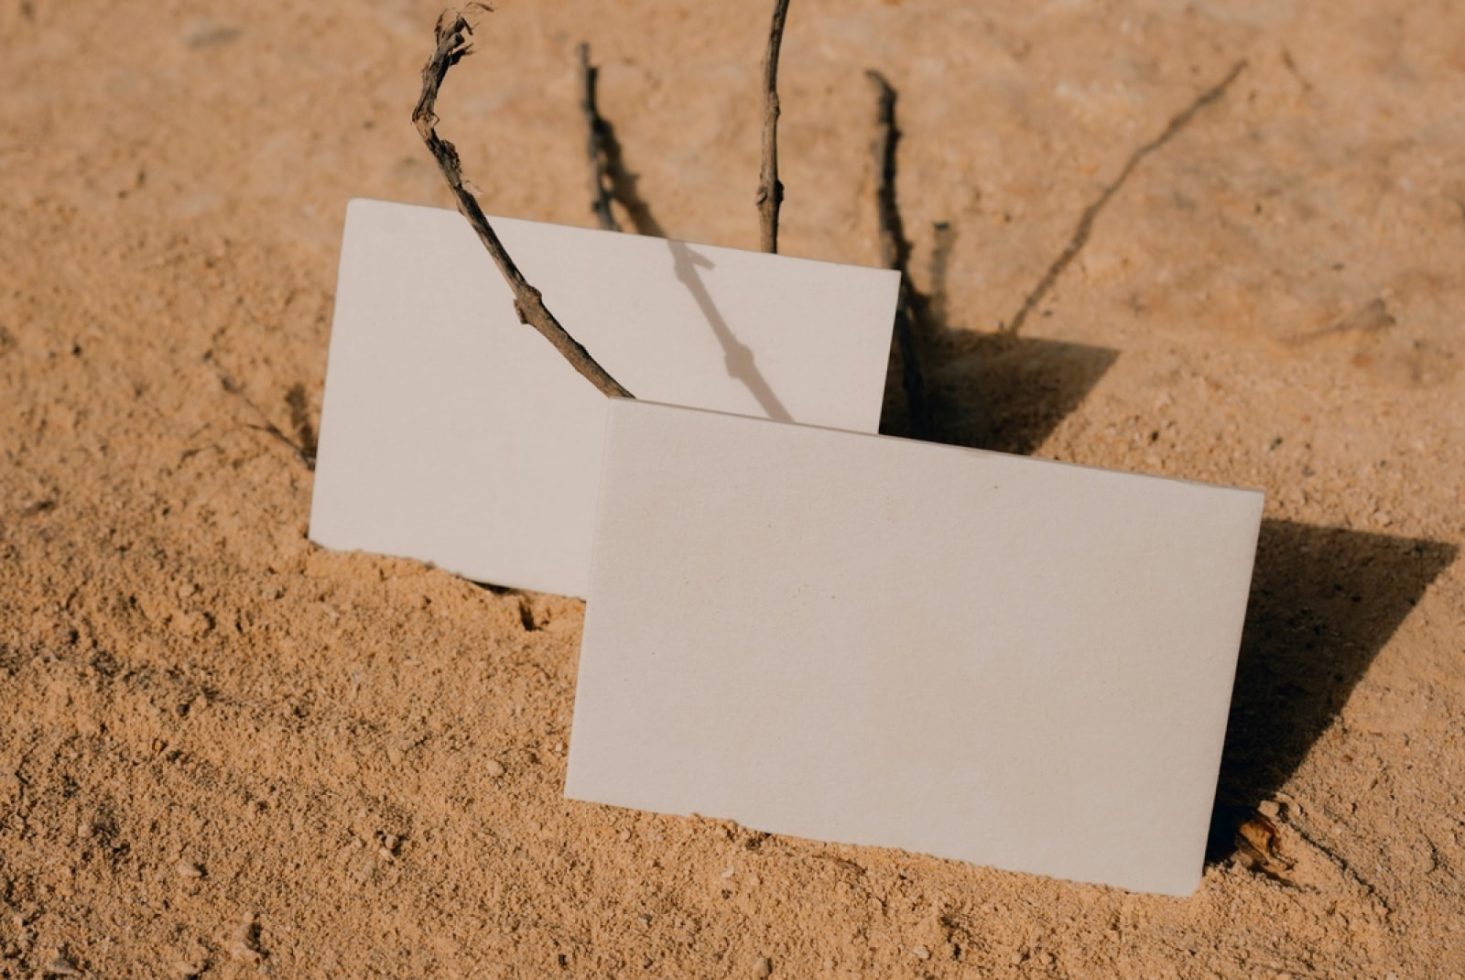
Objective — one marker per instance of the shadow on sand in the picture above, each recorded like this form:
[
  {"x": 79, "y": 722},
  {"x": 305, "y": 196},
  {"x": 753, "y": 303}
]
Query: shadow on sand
[{"x": 1324, "y": 602}]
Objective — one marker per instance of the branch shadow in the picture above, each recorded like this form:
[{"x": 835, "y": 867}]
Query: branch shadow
[
  {"x": 1085, "y": 226},
  {"x": 625, "y": 184},
  {"x": 738, "y": 357},
  {"x": 1324, "y": 602}
]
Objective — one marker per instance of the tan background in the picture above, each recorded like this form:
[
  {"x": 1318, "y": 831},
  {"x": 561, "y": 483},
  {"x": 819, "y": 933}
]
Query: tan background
[{"x": 225, "y": 751}]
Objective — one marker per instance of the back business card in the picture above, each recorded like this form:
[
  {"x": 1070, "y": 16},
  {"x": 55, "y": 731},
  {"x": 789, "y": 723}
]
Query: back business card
[
  {"x": 453, "y": 433},
  {"x": 868, "y": 640}
]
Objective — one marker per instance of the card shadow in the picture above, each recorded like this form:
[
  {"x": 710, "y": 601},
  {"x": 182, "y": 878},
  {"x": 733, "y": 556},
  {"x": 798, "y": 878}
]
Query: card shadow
[
  {"x": 1000, "y": 391},
  {"x": 1324, "y": 602}
]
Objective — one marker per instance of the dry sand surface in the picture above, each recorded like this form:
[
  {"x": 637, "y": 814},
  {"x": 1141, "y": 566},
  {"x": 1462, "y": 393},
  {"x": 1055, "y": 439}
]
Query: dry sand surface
[{"x": 226, "y": 752}]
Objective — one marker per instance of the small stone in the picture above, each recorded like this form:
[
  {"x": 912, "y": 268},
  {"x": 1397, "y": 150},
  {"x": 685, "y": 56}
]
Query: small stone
[
  {"x": 189, "y": 869},
  {"x": 494, "y": 768},
  {"x": 60, "y": 966},
  {"x": 920, "y": 952},
  {"x": 763, "y": 968},
  {"x": 246, "y": 945},
  {"x": 727, "y": 872},
  {"x": 244, "y": 952},
  {"x": 193, "y": 961}
]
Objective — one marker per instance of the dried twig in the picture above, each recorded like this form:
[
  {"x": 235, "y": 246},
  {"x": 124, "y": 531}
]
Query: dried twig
[
  {"x": 895, "y": 253},
  {"x": 602, "y": 188},
  {"x": 452, "y": 34},
  {"x": 770, "y": 188}
]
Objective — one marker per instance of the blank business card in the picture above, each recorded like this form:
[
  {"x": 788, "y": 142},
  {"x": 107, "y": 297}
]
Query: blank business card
[
  {"x": 869, "y": 640},
  {"x": 455, "y": 434}
]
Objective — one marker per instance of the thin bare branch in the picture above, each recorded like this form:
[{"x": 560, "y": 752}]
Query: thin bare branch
[
  {"x": 770, "y": 188},
  {"x": 452, "y": 34},
  {"x": 895, "y": 253},
  {"x": 596, "y": 147}
]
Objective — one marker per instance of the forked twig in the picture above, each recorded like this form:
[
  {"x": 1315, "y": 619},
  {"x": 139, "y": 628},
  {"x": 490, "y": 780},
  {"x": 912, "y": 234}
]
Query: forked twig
[
  {"x": 895, "y": 253},
  {"x": 770, "y": 188},
  {"x": 452, "y": 47},
  {"x": 602, "y": 187}
]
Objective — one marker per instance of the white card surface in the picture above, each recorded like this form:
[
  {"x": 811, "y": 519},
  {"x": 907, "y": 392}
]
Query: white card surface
[
  {"x": 455, "y": 434},
  {"x": 869, "y": 640}
]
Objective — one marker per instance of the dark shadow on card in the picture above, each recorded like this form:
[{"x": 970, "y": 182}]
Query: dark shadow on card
[
  {"x": 738, "y": 357},
  {"x": 687, "y": 263},
  {"x": 1324, "y": 602}
]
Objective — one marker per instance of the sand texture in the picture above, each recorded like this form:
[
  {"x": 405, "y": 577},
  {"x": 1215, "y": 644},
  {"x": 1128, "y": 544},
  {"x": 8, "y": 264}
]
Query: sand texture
[{"x": 226, "y": 752}]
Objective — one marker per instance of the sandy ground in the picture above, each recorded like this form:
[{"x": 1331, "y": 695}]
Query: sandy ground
[{"x": 225, "y": 751}]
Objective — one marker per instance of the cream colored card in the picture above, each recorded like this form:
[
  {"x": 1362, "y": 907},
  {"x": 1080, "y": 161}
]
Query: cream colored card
[
  {"x": 453, "y": 433},
  {"x": 870, "y": 640}
]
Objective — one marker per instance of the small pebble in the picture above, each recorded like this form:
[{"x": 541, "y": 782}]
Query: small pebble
[
  {"x": 920, "y": 952},
  {"x": 763, "y": 968},
  {"x": 60, "y": 966},
  {"x": 246, "y": 942},
  {"x": 495, "y": 768},
  {"x": 189, "y": 869},
  {"x": 192, "y": 961},
  {"x": 243, "y": 951}
]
